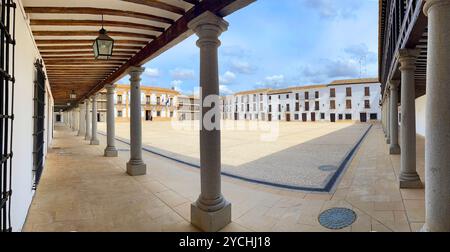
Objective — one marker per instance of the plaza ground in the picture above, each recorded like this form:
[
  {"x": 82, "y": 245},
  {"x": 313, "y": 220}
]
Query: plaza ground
[
  {"x": 82, "y": 191},
  {"x": 278, "y": 153}
]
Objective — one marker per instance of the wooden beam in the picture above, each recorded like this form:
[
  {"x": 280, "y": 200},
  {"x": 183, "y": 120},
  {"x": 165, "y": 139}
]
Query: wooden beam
[
  {"x": 92, "y": 34},
  {"x": 85, "y": 47},
  {"x": 118, "y": 52},
  {"x": 81, "y": 57},
  {"x": 98, "y": 12},
  {"x": 158, "y": 5},
  {"x": 86, "y": 42},
  {"x": 96, "y": 23}
]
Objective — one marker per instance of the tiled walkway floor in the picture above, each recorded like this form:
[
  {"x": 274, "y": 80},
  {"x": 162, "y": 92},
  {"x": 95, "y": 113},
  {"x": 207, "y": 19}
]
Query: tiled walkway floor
[{"x": 82, "y": 191}]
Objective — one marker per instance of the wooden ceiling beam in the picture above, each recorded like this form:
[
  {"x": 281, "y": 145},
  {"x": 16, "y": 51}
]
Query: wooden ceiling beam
[
  {"x": 96, "y": 23},
  {"x": 98, "y": 12},
  {"x": 84, "y": 47},
  {"x": 92, "y": 33},
  {"x": 86, "y": 42},
  {"x": 52, "y": 57},
  {"x": 158, "y": 5},
  {"x": 115, "y": 52}
]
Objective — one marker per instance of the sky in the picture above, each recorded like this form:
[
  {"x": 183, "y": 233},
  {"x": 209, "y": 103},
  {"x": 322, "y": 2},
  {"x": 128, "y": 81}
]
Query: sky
[{"x": 278, "y": 44}]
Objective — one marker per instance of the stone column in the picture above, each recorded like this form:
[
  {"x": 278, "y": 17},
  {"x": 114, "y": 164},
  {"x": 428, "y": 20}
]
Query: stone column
[
  {"x": 437, "y": 134},
  {"x": 110, "y": 150},
  {"x": 87, "y": 117},
  {"x": 136, "y": 167},
  {"x": 388, "y": 116},
  {"x": 408, "y": 174},
  {"x": 211, "y": 212},
  {"x": 94, "y": 139},
  {"x": 394, "y": 148},
  {"x": 82, "y": 123}
]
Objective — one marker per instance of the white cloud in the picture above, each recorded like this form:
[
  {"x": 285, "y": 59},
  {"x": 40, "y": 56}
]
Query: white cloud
[
  {"x": 225, "y": 90},
  {"x": 176, "y": 84},
  {"x": 274, "y": 81},
  {"x": 334, "y": 9},
  {"x": 182, "y": 74},
  {"x": 152, "y": 72},
  {"x": 227, "y": 78},
  {"x": 242, "y": 67}
]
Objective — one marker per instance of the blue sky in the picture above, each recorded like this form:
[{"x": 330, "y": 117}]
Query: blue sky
[{"x": 280, "y": 43}]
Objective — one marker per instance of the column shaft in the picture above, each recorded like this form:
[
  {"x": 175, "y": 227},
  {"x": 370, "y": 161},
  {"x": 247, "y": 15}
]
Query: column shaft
[
  {"x": 87, "y": 117},
  {"x": 82, "y": 123},
  {"x": 437, "y": 145},
  {"x": 94, "y": 139},
  {"x": 110, "y": 150},
  {"x": 388, "y": 116},
  {"x": 211, "y": 212},
  {"x": 408, "y": 174},
  {"x": 136, "y": 166},
  {"x": 394, "y": 146}
]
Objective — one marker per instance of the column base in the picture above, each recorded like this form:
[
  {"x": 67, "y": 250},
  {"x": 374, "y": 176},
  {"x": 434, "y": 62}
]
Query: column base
[
  {"x": 81, "y": 133},
  {"x": 111, "y": 152},
  {"x": 87, "y": 138},
  {"x": 211, "y": 221},
  {"x": 394, "y": 149},
  {"x": 136, "y": 168},
  {"x": 95, "y": 142},
  {"x": 410, "y": 181}
]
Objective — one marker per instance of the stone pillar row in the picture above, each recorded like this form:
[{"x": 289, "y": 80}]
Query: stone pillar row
[
  {"x": 394, "y": 148},
  {"x": 110, "y": 150}
]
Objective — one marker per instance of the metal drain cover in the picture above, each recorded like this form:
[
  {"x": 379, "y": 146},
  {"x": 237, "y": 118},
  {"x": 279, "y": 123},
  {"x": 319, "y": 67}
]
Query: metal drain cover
[
  {"x": 337, "y": 218},
  {"x": 328, "y": 168}
]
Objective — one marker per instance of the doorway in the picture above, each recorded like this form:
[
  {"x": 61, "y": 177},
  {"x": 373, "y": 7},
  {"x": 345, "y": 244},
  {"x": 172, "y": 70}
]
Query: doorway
[
  {"x": 363, "y": 117},
  {"x": 304, "y": 117},
  {"x": 288, "y": 117},
  {"x": 270, "y": 117},
  {"x": 333, "y": 118},
  {"x": 313, "y": 117},
  {"x": 148, "y": 115}
]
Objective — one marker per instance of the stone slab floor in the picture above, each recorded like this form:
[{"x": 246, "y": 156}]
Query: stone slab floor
[{"x": 80, "y": 190}]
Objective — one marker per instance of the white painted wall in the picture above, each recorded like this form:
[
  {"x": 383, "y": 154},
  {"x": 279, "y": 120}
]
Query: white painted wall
[
  {"x": 26, "y": 55},
  {"x": 420, "y": 115}
]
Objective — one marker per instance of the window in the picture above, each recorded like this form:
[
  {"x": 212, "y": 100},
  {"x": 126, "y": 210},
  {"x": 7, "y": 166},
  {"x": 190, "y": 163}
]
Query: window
[
  {"x": 261, "y": 106},
  {"x": 158, "y": 100},
  {"x": 270, "y": 108},
  {"x": 306, "y": 106},
  {"x": 287, "y": 96},
  {"x": 317, "y": 95},
  {"x": 288, "y": 108},
  {"x": 374, "y": 116},
  {"x": 297, "y": 106},
  {"x": 348, "y": 104},
  {"x": 279, "y": 107},
  {"x": 119, "y": 99},
  {"x": 333, "y": 104},
  {"x": 367, "y": 91},
  {"x": 367, "y": 104},
  {"x": 348, "y": 116},
  {"x": 248, "y": 107},
  {"x": 270, "y": 98},
  {"x": 148, "y": 99},
  {"x": 317, "y": 106},
  {"x": 341, "y": 116},
  {"x": 158, "y": 113},
  {"x": 297, "y": 96},
  {"x": 306, "y": 95},
  {"x": 297, "y": 117},
  {"x": 39, "y": 121},
  {"x": 322, "y": 116},
  {"x": 348, "y": 92},
  {"x": 333, "y": 93},
  {"x": 119, "y": 113}
]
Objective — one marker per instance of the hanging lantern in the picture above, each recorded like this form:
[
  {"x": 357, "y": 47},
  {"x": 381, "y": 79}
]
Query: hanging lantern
[
  {"x": 103, "y": 45},
  {"x": 73, "y": 95}
]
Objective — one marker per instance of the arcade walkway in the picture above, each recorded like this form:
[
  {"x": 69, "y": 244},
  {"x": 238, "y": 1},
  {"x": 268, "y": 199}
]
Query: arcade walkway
[{"x": 82, "y": 191}]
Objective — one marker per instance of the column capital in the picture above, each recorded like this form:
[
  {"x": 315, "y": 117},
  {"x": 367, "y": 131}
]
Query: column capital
[
  {"x": 433, "y": 3},
  {"x": 110, "y": 86},
  {"x": 407, "y": 58},
  {"x": 208, "y": 28},
  {"x": 393, "y": 84},
  {"x": 136, "y": 70}
]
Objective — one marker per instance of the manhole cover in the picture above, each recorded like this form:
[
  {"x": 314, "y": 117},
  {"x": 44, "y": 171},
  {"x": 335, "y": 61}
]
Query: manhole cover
[
  {"x": 327, "y": 168},
  {"x": 337, "y": 218}
]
